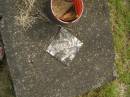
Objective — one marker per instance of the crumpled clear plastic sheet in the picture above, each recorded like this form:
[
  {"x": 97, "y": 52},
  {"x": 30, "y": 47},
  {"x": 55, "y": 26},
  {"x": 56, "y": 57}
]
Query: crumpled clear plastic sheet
[{"x": 65, "y": 46}]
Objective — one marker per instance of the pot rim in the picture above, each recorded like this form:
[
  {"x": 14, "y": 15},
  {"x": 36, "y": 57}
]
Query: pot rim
[{"x": 64, "y": 21}]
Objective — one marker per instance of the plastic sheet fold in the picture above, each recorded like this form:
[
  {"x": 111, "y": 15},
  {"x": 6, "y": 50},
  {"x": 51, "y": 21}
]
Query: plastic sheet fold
[{"x": 65, "y": 46}]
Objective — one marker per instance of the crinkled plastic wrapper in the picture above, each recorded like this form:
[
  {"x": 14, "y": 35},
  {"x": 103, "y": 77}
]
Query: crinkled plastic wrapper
[{"x": 65, "y": 46}]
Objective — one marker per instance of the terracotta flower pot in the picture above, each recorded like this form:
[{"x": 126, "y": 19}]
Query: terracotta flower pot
[{"x": 67, "y": 11}]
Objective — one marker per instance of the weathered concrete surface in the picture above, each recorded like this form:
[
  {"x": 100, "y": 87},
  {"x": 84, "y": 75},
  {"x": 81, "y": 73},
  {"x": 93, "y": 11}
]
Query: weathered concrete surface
[
  {"x": 1, "y": 7},
  {"x": 35, "y": 73},
  {"x": 6, "y": 89}
]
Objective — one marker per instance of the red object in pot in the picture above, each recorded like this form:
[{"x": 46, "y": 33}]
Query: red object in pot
[
  {"x": 71, "y": 15},
  {"x": 78, "y": 6}
]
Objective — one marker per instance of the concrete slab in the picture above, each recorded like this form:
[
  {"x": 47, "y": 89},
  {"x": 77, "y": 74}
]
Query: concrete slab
[
  {"x": 6, "y": 89},
  {"x": 1, "y": 7},
  {"x": 35, "y": 73}
]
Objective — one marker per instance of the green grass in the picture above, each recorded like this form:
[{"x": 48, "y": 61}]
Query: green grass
[
  {"x": 110, "y": 90},
  {"x": 120, "y": 20}
]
